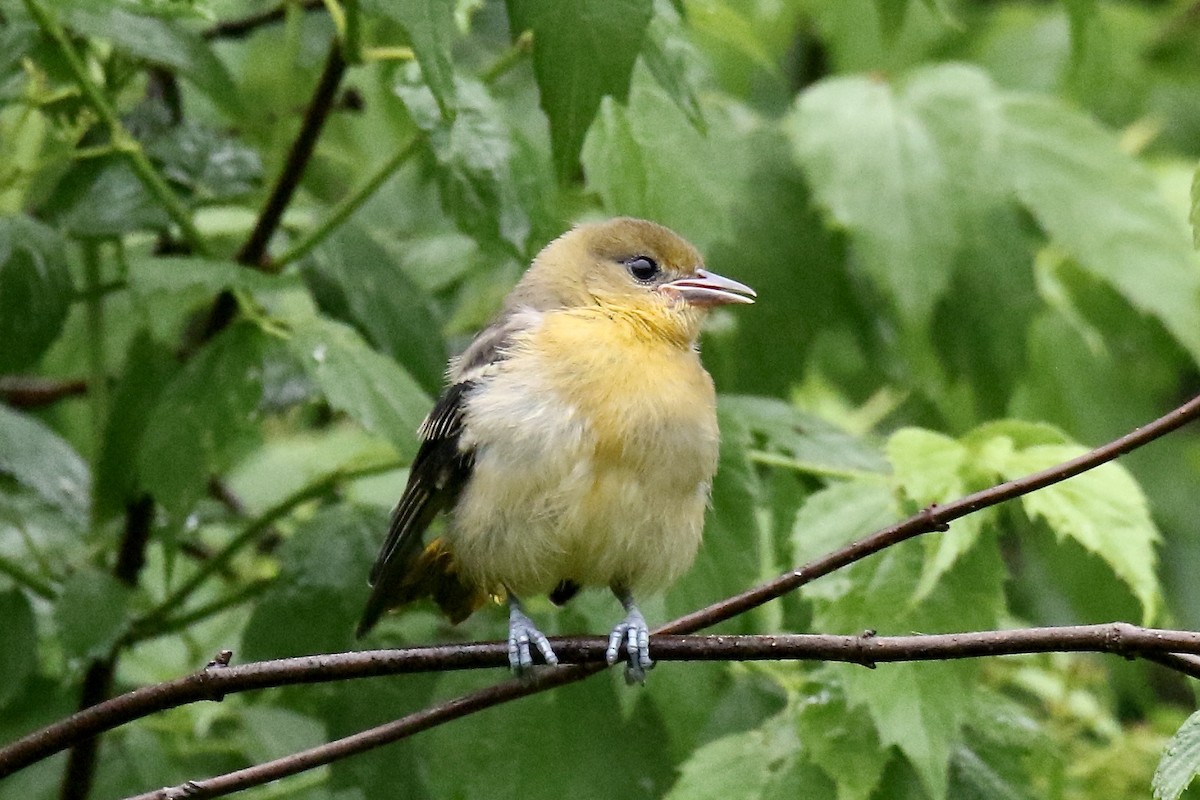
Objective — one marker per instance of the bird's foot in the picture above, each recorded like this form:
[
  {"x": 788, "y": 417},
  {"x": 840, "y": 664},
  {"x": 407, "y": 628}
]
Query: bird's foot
[
  {"x": 634, "y": 636},
  {"x": 521, "y": 633}
]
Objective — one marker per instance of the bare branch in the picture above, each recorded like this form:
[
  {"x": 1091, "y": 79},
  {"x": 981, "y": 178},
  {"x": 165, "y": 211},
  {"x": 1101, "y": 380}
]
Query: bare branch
[
  {"x": 244, "y": 26},
  {"x": 28, "y": 391},
  {"x": 1119, "y": 638}
]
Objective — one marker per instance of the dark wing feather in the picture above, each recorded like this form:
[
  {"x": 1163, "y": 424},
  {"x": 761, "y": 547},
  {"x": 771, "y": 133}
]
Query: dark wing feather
[
  {"x": 440, "y": 469},
  {"x": 437, "y": 476}
]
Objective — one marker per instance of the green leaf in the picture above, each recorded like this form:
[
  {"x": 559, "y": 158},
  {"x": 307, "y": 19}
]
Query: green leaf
[
  {"x": 668, "y": 55},
  {"x": 877, "y": 169},
  {"x": 103, "y": 197},
  {"x": 36, "y": 457},
  {"x": 836, "y": 516},
  {"x": 90, "y": 613},
  {"x": 1103, "y": 509},
  {"x": 1103, "y": 208},
  {"x": 272, "y": 733},
  {"x": 1180, "y": 761},
  {"x": 891, "y": 16},
  {"x": 728, "y": 561},
  {"x": 18, "y": 656},
  {"x": 474, "y": 155},
  {"x": 208, "y": 164},
  {"x": 1194, "y": 213},
  {"x": 842, "y": 742},
  {"x": 357, "y": 380},
  {"x": 739, "y": 766},
  {"x": 159, "y": 41},
  {"x": 35, "y": 290},
  {"x": 357, "y": 280},
  {"x": 148, "y": 368},
  {"x": 647, "y": 160},
  {"x": 919, "y": 708},
  {"x": 509, "y": 755},
  {"x": 811, "y": 443},
  {"x": 204, "y": 419},
  {"x": 582, "y": 51},
  {"x": 430, "y": 27}
]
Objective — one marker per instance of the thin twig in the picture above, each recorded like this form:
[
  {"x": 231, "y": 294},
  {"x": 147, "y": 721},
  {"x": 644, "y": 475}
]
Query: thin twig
[
  {"x": 587, "y": 653},
  {"x": 1114, "y": 638},
  {"x": 934, "y": 518},
  {"x": 122, "y": 140},
  {"x": 244, "y": 26},
  {"x": 27, "y": 391},
  {"x": 253, "y": 252}
]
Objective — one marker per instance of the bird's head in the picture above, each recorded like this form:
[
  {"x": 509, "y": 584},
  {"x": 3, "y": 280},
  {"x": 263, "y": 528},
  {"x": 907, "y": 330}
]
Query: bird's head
[{"x": 632, "y": 267}]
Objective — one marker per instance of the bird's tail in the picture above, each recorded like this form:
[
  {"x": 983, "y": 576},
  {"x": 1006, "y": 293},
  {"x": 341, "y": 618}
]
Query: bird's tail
[{"x": 431, "y": 573}]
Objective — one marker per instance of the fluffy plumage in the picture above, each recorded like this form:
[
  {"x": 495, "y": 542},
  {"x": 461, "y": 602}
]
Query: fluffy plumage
[{"x": 575, "y": 444}]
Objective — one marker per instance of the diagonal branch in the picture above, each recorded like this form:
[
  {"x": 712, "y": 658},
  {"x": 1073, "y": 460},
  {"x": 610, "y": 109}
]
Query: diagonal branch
[{"x": 1116, "y": 638}]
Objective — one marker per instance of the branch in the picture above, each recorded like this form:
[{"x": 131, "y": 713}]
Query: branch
[
  {"x": 215, "y": 681},
  {"x": 26, "y": 391},
  {"x": 122, "y": 141},
  {"x": 244, "y": 26},
  {"x": 253, "y": 252},
  {"x": 147, "y": 700}
]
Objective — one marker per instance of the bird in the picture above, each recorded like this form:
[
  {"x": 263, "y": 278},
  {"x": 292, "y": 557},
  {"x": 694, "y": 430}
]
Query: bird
[{"x": 574, "y": 445}]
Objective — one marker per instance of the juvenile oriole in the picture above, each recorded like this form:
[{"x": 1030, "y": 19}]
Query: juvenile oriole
[{"x": 575, "y": 444}]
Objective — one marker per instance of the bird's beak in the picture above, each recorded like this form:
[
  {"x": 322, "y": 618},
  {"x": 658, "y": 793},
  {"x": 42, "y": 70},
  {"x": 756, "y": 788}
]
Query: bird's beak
[{"x": 704, "y": 288}]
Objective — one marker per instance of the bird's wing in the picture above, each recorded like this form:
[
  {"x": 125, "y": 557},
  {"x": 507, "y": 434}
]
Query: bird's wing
[{"x": 441, "y": 467}]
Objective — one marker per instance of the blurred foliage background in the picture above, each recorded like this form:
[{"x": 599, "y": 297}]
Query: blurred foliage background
[{"x": 967, "y": 222}]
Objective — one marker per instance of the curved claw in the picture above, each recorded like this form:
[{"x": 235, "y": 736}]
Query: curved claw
[
  {"x": 634, "y": 635},
  {"x": 521, "y": 633}
]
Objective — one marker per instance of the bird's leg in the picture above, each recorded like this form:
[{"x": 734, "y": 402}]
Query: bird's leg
[
  {"x": 635, "y": 634},
  {"x": 521, "y": 632}
]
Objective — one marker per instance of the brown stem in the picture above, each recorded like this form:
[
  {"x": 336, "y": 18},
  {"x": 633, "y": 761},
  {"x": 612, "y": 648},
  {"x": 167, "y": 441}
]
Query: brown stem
[
  {"x": 1115, "y": 638},
  {"x": 244, "y": 26},
  {"x": 21, "y": 391}
]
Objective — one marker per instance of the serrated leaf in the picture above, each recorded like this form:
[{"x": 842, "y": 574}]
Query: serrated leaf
[
  {"x": 474, "y": 155},
  {"x": 582, "y": 51},
  {"x": 1103, "y": 208},
  {"x": 208, "y": 164},
  {"x": 355, "y": 379},
  {"x": 917, "y": 707},
  {"x": 739, "y": 766},
  {"x": 835, "y": 516},
  {"x": 1180, "y": 762},
  {"x": 430, "y": 27},
  {"x": 877, "y": 169},
  {"x": 38, "y": 458},
  {"x": 90, "y": 613},
  {"x": 18, "y": 656},
  {"x": 645, "y": 159},
  {"x": 1104, "y": 510},
  {"x": 842, "y": 741},
  {"x": 35, "y": 290},
  {"x": 932, "y": 468},
  {"x": 204, "y": 419},
  {"x": 354, "y": 278},
  {"x": 159, "y": 41},
  {"x": 809, "y": 441}
]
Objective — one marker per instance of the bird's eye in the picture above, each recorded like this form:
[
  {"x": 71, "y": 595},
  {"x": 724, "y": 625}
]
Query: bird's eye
[{"x": 642, "y": 268}]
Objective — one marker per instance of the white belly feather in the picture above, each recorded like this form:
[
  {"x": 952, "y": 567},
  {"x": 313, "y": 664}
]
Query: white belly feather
[{"x": 562, "y": 492}]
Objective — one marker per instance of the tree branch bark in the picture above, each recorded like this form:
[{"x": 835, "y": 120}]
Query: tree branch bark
[{"x": 1176, "y": 649}]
